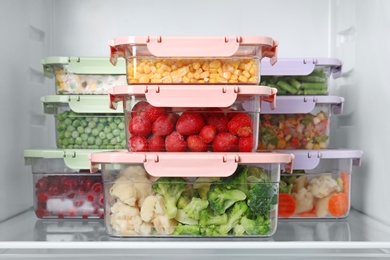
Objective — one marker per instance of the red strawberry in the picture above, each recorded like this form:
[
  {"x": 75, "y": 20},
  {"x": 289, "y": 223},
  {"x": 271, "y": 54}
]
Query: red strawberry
[
  {"x": 225, "y": 142},
  {"x": 208, "y": 133},
  {"x": 175, "y": 142},
  {"x": 240, "y": 125},
  {"x": 138, "y": 144},
  {"x": 157, "y": 143},
  {"x": 140, "y": 125},
  {"x": 217, "y": 119},
  {"x": 138, "y": 109},
  {"x": 189, "y": 123},
  {"x": 232, "y": 113},
  {"x": 152, "y": 113},
  {"x": 245, "y": 144},
  {"x": 196, "y": 144},
  {"x": 164, "y": 125}
]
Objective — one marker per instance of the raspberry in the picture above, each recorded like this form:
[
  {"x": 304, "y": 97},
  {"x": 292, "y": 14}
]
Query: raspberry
[
  {"x": 189, "y": 123},
  {"x": 175, "y": 142},
  {"x": 240, "y": 125},
  {"x": 152, "y": 113},
  {"x": 225, "y": 142},
  {"x": 156, "y": 143},
  {"x": 208, "y": 133},
  {"x": 195, "y": 144},
  {"x": 245, "y": 144},
  {"x": 164, "y": 125},
  {"x": 138, "y": 144},
  {"x": 140, "y": 125}
]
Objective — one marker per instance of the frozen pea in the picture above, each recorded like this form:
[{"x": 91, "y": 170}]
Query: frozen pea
[
  {"x": 87, "y": 130},
  {"x": 79, "y": 141},
  {"x": 67, "y": 121},
  {"x": 61, "y": 127},
  {"x": 75, "y": 134},
  {"x": 110, "y": 146},
  {"x": 61, "y": 135},
  {"x": 76, "y": 123},
  {"x": 102, "y": 120},
  {"x": 83, "y": 123},
  {"x": 117, "y": 120},
  {"x": 65, "y": 142},
  {"x": 60, "y": 117},
  {"x": 70, "y": 128},
  {"x": 72, "y": 114},
  {"x": 118, "y": 146},
  {"x": 110, "y": 136},
  {"x": 80, "y": 129},
  {"x": 94, "y": 146},
  {"x": 95, "y": 119},
  {"x": 116, "y": 132},
  {"x": 92, "y": 124},
  {"x": 84, "y": 137},
  {"x": 110, "y": 119},
  {"x": 113, "y": 141},
  {"x": 95, "y": 132},
  {"x": 122, "y": 135},
  {"x": 106, "y": 141},
  {"x": 67, "y": 134},
  {"x": 71, "y": 141},
  {"x": 84, "y": 145},
  {"x": 113, "y": 126},
  {"x": 121, "y": 125},
  {"x": 76, "y": 146},
  {"x": 123, "y": 143},
  {"x": 102, "y": 135},
  {"x": 91, "y": 140},
  {"x": 98, "y": 141},
  {"x": 100, "y": 127},
  {"x": 88, "y": 119}
]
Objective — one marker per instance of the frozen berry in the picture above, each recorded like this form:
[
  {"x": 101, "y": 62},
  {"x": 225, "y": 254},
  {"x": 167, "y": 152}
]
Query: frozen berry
[
  {"x": 152, "y": 112},
  {"x": 175, "y": 142},
  {"x": 91, "y": 196},
  {"x": 156, "y": 143},
  {"x": 225, "y": 142},
  {"x": 42, "y": 196},
  {"x": 140, "y": 125},
  {"x": 88, "y": 184},
  {"x": 78, "y": 202},
  {"x": 189, "y": 123},
  {"x": 138, "y": 144},
  {"x": 245, "y": 144},
  {"x": 208, "y": 133},
  {"x": 138, "y": 109},
  {"x": 196, "y": 144},
  {"x": 164, "y": 125},
  {"x": 240, "y": 125},
  {"x": 217, "y": 119},
  {"x": 42, "y": 184},
  {"x": 97, "y": 187},
  {"x": 54, "y": 189}
]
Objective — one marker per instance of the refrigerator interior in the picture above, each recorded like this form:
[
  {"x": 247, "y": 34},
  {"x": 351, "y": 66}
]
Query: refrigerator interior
[{"x": 355, "y": 31}]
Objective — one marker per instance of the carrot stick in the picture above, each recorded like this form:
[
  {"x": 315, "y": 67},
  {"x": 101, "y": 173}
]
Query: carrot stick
[
  {"x": 287, "y": 205},
  {"x": 338, "y": 204},
  {"x": 344, "y": 178}
]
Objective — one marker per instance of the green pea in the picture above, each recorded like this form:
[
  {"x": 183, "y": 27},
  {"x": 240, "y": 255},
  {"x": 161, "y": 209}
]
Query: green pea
[
  {"x": 95, "y": 132},
  {"x": 87, "y": 130},
  {"x": 75, "y": 134},
  {"x": 103, "y": 120},
  {"x": 98, "y": 141},
  {"x": 110, "y": 146},
  {"x": 84, "y": 145},
  {"x": 80, "y": 129},
  {"x": 95, "y": 119},
  {"x": 118, "y": 146},
  {"x": 113, "y": 141},
  {"x": 84, "y": 137},
  {"x": 61, "y": 135},
  {"x": 100, "y": 127},
  {"x": 91, "y": 140},
  {"x": 106, "y": 141},
  {"x": 121, "y": 125},
  {"x": 71, "y": 141},
  {"x": 116, "y": 132},
  {"x": 110, "y": 136},
  {"x": 67, "y": 121},
  {"x": 92, "y": 124},
  {"x": 83, "y": 123},
  {"x": 70, "y": 128},
  {"x": 122, "y": 135},
  {"x": 76, "y": 123},
  {"x": 118, "y": 120},
  {"x": 79, "y": 141},
  {"x": 102, "y": 135},
  {"x": 67, "y": 134},
  {"x": 107, "y": 129}
]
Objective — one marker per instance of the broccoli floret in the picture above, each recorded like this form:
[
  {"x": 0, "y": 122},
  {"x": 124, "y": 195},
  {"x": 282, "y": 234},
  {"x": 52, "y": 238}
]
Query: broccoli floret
[
  {"x": 262, "y": 197},
  {"x": 210, "y": 231},
  {"x": 289, "y": 179},
  {"x": 182, "y": 202},
  {"x": 208, "y": 217},
  {"x": 257, "y": 226},
  {"x": 284, "y": 188},
  {"x": 202, "y": 185},
  {"x": 171, "y": 189},
  {"x": 238, "y": 180},
  {"x": 183, "y": 218},
  {"x": 239, "y": 230},
  {"x": 194, "y": 208},
  {"x": 234, "y": 215},
  {"x": 181, "y": 229},
  {"x": 221, "y": 197}
]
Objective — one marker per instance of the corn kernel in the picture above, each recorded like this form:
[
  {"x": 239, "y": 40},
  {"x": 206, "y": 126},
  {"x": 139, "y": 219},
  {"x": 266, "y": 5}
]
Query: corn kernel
[
  {"x": 213, "y": 81},
  {"x": 197, "y": 75},
  {"x": 158, "y": 65},
  {"x": 153, "y": 69},
  {"x": 147, "y": 69},
  {"x": 214, "y": 71},
  {"x": 144, "y": 79},
  {"x": 186, "y": 79},
  {"x": 196, "y": 65},
  {"x": 177, "y": 79},
  {"x": 246, "y": 74},
  {"x": 227, "y": 75},
  {"x": 166, "y": 79},
  {"x": 215, "y": 64},
  {"x": 204, "y": 74},
  {"x": 242, "y": 79},
  {"x": 160, "y": 71},
  {"x": 183, "y": 71},
  {"x": 235, "y": 64},
  {"x": 253, "y": 70},
  {"x": 194, "y": 81},
  {"x": 156, "y": 81},
  {"x": 201, "y": 81},
  {"x": 190, "y": 75},
  {"x": 214, "y": 76},
  {"x": 165, "y": 67},
  {"x": 253, "y": 80},
  {"x": 233, "y": 81},
  {"x": 323, "y": 145},
  {"x": 222, "y": 80},
  {"x": 205, "y": 66},
  {"x": 133, "y": 81},
  {"x": 234, "y": 77},
  {"x": 237, "y": 72}
]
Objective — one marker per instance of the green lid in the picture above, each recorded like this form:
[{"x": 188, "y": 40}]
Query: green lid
[
  {"x": 83, "y": 65},
  {"x": 78, "y": 103},
  {"x": 74, "y": 159}
]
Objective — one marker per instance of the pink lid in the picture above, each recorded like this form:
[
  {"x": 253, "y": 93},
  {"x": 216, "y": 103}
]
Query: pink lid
[
  {"x": 196, "y": 46},
  {"x": 190, "y": 164},
  {"x": 191, "y": 95}
]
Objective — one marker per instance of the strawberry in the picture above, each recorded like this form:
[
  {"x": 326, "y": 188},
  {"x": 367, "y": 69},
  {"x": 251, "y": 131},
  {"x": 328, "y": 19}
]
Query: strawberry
[
  {"x": 138, "y": 144},
  {"x": 157, "y": 143},
  {"x": 220, "y": 121},
  {"x": 189, "y": 123},
  {"x": 225, "y": 142},
  {"x": 164, "y": 125},
  {"x": 140, "y": 125},
  {"x": 240, "y": 125},
  {"x": 175, "y": 142},
  {"x": 196, "y": 144},
  {"x": 138, "y": 109},
  {"x": 208, "y": 133},
  {"x": 152, "y": 113},
  {"x": 245, "y": 144}
]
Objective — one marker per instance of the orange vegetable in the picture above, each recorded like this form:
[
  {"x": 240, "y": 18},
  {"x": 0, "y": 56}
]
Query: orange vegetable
[
  {"x": 344, "y": 178},
  {"x": 338, "y": 204},
  {"x": 308, "y": 214},
  {"x": 287, "y": 205}
]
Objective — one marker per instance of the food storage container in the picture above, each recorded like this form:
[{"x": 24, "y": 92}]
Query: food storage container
[
  {"x": 320, "y": 186},
  {"x": 84, "y": 75},
  {"x": 191, "y": 194},
  {"x": 193, "y": 59},
  {"x": 85, "y": 122},
  {"x": 301, "y": 76},
  {"x": 62, "y": 184},
  {"x": 298, "y": 122},
  {"x": 196, "y": 118}
]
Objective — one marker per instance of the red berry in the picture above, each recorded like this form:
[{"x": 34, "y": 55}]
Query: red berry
[
  {"x": 140, "y": 125},
  {"x": 164, "y": 125},
  {"x": 54, "y": 189},
  {"x": 196, "y": 144},
  {"x": 78, "y": 202},
  {"x": 245, "y": 144},
  {"x": 208, "y": 133},
  {"x": 217, "y": 119},
  {"x": 138, "y": 144},
  {"x": 138, "y": 109},
  {"x": 86, "y": 214},
  {"x": 71, "y": 195},
  {"x": 152, "y": 113},
  {"x": 91, "y": 196},
  {"x": 240, "y": 125},
  {"x": 156, "y": 144},
  {"x": 42, "y": 196},
  {"x": 101, "y": 199},
  {"x": 225, "y": 142},
  {"x": 40, "y": 213},
  {"x": 97, "y": 187},
  {"x": 72, "y": 212},
  {"x": 175, "y": 143},
  {"x": 88, "y": 184},
  {"x": 42, "y": 184},
  {"x": 189, "y": 123}
]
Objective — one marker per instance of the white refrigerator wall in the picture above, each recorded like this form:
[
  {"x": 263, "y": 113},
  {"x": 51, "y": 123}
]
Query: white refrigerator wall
[{"x": 305, "y": 28}]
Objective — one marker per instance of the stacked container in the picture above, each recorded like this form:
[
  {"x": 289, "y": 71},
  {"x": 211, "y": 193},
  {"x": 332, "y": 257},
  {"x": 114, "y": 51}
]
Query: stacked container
[
  {"x": 320, "y": 187},
  {"x": 191, "y": 110},
  {"x": 63, "y": 186}
]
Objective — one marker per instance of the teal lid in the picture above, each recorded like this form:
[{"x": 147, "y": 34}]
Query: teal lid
[{"x": 83, "y": 65}]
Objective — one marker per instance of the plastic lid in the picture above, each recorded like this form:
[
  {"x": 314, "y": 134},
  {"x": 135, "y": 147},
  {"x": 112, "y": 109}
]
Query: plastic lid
[
  {"x": 304, "y": 104},
  {"x": 300, "y": 66},
  {"x": 74, "y": 159},
  {"x": 190, "y": 164},
  {"x": 194, "y": 46},
  {"x": 83, "y": 65},
  {"x": 191, "y": 95},
  {"x": 78, "y": 104},
  {"x": 309, "y": 159}
]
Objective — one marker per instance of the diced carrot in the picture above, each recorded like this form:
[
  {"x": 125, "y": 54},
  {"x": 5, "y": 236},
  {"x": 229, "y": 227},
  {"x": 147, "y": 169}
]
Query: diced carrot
[
  {"x": 338, "y": 204},
  {"x": 287, "y": 205},
  {"x": 308, "y": 214},
  {"x": 344, "y": 178}
]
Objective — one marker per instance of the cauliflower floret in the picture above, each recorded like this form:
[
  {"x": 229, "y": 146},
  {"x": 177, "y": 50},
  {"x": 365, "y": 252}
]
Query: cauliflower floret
[
  {"x": 304, "y": 200},
  {"x": 125, "y": 219},
  {"x": 164, "y": 225},
  {"x": 153, "y": 205},
  {"x": 132, "y": 171},
  {"x": 322, "y": 206},
  {"x": 144, "y": 188},
  {"x": 125, "y": 192},
  {"x": 322, "y": 186}
]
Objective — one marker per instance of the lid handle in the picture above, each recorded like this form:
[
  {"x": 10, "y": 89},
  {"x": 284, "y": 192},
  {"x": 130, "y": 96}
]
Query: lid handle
[{"x": 205, "y": 165}]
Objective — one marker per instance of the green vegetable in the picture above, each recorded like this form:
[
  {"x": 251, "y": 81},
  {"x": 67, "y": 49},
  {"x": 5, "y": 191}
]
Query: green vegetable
[
  {"x": 171, "y": 189},
  {"x": 202, "y": 185},
  {"x": 262, "y": 198},
  {"x": 194, "y": 208},
  {"x": 181, "y": 229},
  {"x": 238, "y": 180},
  {"x": 208, "y": 217},
  {"x": 221, "y": 197},
  {"x": 284, "y": 187},
  {"x": 182, "y": 202},
  {"x": 258, "y": 226},
  {"x": 183, "y": 218},
  {"x": 234, "y": 214},
  {"x": 287, "y": 87}
]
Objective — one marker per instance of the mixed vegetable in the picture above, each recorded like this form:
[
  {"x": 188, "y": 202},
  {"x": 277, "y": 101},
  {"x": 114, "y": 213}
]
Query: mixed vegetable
[{"x": 239, "y": 205}]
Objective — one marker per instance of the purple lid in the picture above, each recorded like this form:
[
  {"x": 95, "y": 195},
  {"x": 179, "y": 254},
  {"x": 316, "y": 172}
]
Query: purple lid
[
  {"x": 309, "y": 159},
  {"x": 304, "y": 104},
  {"x": 300, "y": 66}
]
